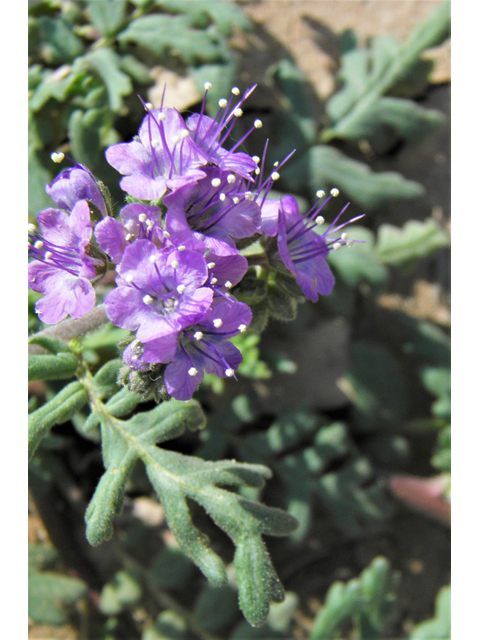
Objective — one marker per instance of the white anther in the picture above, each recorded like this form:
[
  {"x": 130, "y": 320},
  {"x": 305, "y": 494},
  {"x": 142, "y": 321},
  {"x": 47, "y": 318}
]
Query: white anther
[
  {"x": 182, "y": 247},
  {"x": 275, "y": 175},
  {"x": 217, "y": 323},
  {"x": 174, "y": 264},
  {"x": 336, "y": 246},
  {"x": 334, "y": 192},
  {"x": 350, "y": 243},
  {"x": 148, "y": 105},
  {"x": 198, "y": 335},
  {"x": 192, "y": 371},
  {"x": 57, "y": 156},
  {"x": 242, "y": 328},
  {"x": 213, "y": 281},
  {"x": 207, "y": 85},
  {"x": 184, "y": 133},
  {"x": 320, "y": 193},
  {"x": 228, "y": 284},
  {"x": 257, "y": 171},
  {"x": 222, "y": 103},
  {"x": 276, "y": 163},
  {"x": 129, "y": 278},
  {"x": 181, "y": 288},
  {"x": 235, "y": 200},
  {"x": 319, "y": 220},
  {"x": 344, "y": 236},
  {"x": 210, "y": 265},
  {"x": 216, "y": 182},
  {"x": 128, "y": 237},
  {"x": 38, "y": 244},
  {"x": 153, "y": 258},
  {"x": 48, "y": 255},
  {"x": 235, "y": 91},
  {"x": 222, "y": 197},
  {"x": 142, "y": 217},
  {"x": 166, "y": 234},
  {"x": 176, "y": 139},
  {"x": 256, "y": 159},
  {"x": 238, "y": 113},
  {"x": 258, "y": 124},
  {"x": 147, "y": 299},
  {"x": 32, "y": 228},
  {"x": 149, "y": 225},
  {"x": 155, "y": 143},
  {"x": 249, "y": 195},
  {"x": 230, "y": 178},
  {"x": 229, "y": 372},
  {"x": 161, "y": 115}
]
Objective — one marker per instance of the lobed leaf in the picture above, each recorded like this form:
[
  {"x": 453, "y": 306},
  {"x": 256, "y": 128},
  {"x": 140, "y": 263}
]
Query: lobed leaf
[
  {"x": 416, "y": 239},
  {"x": 107, "y": 15},
  {"x": 439, "y": 627},
  {"x": 106, "y": 64},
  {"x": 49, "y": 593},
  {"x": 328, "y": 166}
]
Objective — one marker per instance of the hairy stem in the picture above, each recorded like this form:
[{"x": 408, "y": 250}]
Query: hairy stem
[{"x": 70, "y": 328}]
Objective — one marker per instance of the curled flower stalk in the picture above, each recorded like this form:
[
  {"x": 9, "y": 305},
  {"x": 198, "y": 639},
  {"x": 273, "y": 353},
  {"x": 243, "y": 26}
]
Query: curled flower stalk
[{"x": 179, "y": 251}]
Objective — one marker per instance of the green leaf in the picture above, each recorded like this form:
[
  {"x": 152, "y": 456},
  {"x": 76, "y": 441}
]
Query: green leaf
[
  {"x": 226, "y": 15},
  {"x": 45, "y": 367},
  {"x": 177, "y": 479},
  {"x": 368, "y": 599},
  {"x": 400, "y": 246},
  {"x": 106, "y": 64},
  {"x": 359, "y": 263},
  {"x": 169, "y": 625},
  {"x": 84, "y": 132},
  {"x": 48, "y": 595},
  {"x": 174, "y": 36},
  {"x": 39, "y": 174},
  {"x": 360, "y": 110},
  {"x": 107, "y": 15},
  {"x": 56, "y": 85},
  {"x": 439, "y": 627},
  {"x": 58, "y": 410},
  {"x": 50, "y": 343},
  {"x": 329, "y": 167},
  {"x": 121, "y": 592},
  {"x": 61, "y": 44}
]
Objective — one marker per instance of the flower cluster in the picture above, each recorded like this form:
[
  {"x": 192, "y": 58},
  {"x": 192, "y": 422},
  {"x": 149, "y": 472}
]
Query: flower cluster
[{"x": 193, "y": 206}]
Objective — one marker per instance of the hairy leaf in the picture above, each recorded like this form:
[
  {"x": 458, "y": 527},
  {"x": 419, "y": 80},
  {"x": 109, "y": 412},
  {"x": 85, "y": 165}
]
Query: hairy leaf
[
  {"x": 226, "y": 15},
  {"x": 360, "y": 109},
  {"x": 107, "y": 15},
  {"x": 106, "y": 64},
  {"x": 439, "y": 627},
  {"x": 49, "y": 593},
  {"x": 59, "y": 409},
  {"x": 46, "y": 367}
]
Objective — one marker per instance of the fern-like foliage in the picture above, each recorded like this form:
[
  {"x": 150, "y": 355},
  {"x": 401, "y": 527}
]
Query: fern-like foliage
[{"x": 176, "y": 478}]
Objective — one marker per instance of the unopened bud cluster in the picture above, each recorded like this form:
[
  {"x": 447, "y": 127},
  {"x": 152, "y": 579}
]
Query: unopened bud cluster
[{"x": 178, "y": 246}]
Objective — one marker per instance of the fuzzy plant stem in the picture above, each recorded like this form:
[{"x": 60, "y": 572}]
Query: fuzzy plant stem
[{"x": 70, "y": 328}]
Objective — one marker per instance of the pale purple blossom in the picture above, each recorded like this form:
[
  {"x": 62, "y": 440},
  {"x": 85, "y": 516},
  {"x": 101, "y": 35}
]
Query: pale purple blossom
[
  {"x": 158, "y": 293},
  {"x": 163, "y": 156},
  {"x": 62, "y": 269},
  {"x": 74, "y": 184}
]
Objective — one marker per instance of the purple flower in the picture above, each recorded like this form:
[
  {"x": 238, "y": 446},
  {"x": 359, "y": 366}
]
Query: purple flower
[
  {"x": 162, "y": 156},
  {"x": 159, "y": 292},
  {"x": 215, "y": 209},
  {"x": 201, "y": 348},
  {"x": 74, "y": 184},
  {"x": 138, "y": 220},
  {"x": 211, "y": 133},
  {"x": 303, "y": 251},
  {"x": 62, "y": 270}
]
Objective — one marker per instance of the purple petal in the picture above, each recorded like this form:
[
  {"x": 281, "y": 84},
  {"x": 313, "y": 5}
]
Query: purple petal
[
  {"x": 110, "y": 234},
  {"x": 72, "y": 185},
  {"x": 67, "y": 295}
]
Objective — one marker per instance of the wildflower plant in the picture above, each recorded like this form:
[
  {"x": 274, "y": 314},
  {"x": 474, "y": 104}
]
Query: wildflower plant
[{"x": 179, "y": 270}]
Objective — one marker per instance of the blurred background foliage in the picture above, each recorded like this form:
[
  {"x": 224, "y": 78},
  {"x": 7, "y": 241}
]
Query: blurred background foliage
[{"x": 348, "y": 404}]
